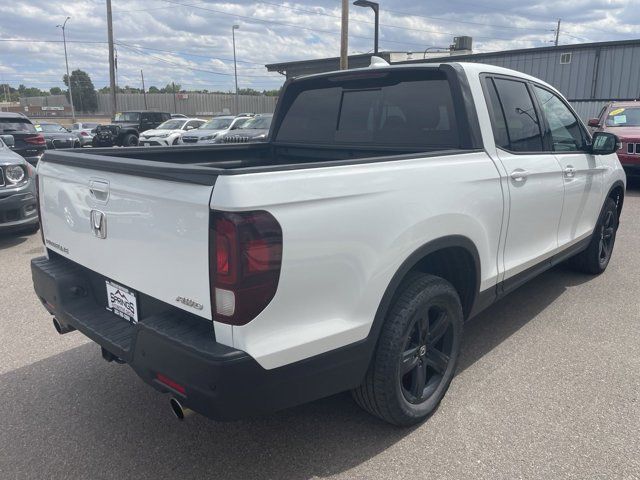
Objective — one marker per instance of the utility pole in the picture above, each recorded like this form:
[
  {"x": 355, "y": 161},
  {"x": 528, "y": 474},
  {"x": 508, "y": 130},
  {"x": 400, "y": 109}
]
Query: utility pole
[
  {"x": 112, "y": 64},
  {"x": 66, "y": 61},
  {"x": 557, "y": 32},
  {"x": 344, "y": 36},
  {"x": 144, "y": 92},
  {"x": 235, "y": 68},
  {"x": 173, "y": 87}
]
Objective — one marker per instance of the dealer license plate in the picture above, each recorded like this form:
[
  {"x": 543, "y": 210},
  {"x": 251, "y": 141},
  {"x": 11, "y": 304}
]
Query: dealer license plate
[{"x": 122, "y": 301}]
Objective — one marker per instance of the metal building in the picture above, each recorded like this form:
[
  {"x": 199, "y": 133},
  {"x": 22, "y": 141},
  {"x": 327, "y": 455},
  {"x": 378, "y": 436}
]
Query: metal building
[{"x": 588, "y": 74}]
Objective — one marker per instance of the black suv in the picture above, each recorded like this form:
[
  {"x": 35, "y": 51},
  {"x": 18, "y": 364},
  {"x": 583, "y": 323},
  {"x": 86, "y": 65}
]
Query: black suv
[
  {"x": 126, "y": 127},
  {"x": 28, "y": 142}
]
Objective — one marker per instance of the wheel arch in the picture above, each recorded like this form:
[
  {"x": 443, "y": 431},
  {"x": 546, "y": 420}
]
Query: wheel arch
[{"x": 453, "y": 257}]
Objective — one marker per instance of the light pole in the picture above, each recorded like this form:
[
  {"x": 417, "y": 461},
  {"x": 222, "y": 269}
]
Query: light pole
[
  {"x": 66, "y": 61},
  {"x": 235, "y": 67},
  {"x": 375, "y": 7}
]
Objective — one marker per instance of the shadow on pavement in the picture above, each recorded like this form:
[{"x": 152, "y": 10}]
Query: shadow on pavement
[
  {"x": 75, "y": 416},
  {"x": 8, "y": 240}
]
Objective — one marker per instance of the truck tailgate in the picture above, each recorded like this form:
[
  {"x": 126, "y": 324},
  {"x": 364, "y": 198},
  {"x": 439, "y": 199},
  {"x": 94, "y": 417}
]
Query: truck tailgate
[{"x": 146, "y": 234}]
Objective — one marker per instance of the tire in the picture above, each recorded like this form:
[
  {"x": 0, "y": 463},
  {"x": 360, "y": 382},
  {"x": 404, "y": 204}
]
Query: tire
[
  {"x": 76, "y": 144},
  {"x": 595, "y": 258},
  {"x": 425, "y": 302},
  {"x": 129, "y": 140}
]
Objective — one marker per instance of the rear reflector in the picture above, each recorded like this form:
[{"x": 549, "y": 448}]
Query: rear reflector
[
  {"x": 171, "y": 384},
  {"x": 244, "y": 261}
]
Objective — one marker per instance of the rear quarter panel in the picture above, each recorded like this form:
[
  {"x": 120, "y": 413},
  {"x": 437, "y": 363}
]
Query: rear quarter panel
[{"x": 346, "y": 231}]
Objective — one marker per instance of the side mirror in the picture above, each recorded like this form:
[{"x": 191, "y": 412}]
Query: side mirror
[
  {"x": 8, "y": 140},
  {"x": 189, "y": 127},
  {"x": 594, "y": 122},
  {"x": 604, "y": 143}
]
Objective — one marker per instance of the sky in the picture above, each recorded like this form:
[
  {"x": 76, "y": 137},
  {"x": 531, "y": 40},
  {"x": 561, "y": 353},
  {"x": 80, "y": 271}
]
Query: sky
[{"x": 189, "y": 42}]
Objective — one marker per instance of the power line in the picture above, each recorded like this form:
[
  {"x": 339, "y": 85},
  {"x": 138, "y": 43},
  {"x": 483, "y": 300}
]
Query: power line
[{"x": 274, "y": 22}]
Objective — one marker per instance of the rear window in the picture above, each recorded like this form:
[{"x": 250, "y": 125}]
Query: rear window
[
  {"x": 20, "y": 125},
  {"x": 407, "y": 109}
]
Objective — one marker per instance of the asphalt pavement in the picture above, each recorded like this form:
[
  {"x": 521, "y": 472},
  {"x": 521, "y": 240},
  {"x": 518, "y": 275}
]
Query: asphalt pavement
[{"x": 548, "y": 387}]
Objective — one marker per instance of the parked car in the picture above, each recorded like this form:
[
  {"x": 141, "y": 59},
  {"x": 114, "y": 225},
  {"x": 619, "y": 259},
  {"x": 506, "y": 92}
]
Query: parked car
[
  {"x": 254, "y": 130},
  {"x": 57, "y": 136},
  {"x": 18, "y": 209},
  {"x": 389, "y": 205},
  {"x": 169, "y": 132},
  {"x": 178, "y": 115},
  {"x": 623, "y": 119},
  {"x": 126, "y": 127},
  {"x": 84, "y": 132},
  {"x": 28, "y": 143},
  {"x": 208, "y": 132}
]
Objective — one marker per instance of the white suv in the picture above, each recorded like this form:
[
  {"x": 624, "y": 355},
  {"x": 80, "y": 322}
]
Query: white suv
[{"x": 169, "y": 132}]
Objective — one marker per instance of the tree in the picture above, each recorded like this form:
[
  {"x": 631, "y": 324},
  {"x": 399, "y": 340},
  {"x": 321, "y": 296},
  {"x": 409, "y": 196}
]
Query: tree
[
  {"x": 55, "y": 91},
  {"x": 154, "y": 89},
  {"x": 85, "y": 98}
]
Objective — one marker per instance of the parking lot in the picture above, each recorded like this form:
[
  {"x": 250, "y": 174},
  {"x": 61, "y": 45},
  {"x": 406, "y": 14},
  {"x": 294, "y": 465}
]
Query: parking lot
[{"x": 548, "y": 386}]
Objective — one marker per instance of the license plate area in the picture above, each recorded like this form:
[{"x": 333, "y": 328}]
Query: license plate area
[{"x": 122, "y": 301}]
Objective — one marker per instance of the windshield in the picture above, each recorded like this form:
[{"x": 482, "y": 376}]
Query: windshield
[
  {"x": 217, "y": 124},
  {"x": 127, "y": 117},
  {"x": 624, "y": 117},
  {"x": 240, "y": 122},
  {"x": 172, "y": 125},
  {"x": 23, "y": 125},
  {"x": 49, "y": 128},
  {"x": 258, "y": 123}
]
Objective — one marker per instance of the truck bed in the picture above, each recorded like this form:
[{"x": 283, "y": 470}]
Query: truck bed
[{"x": 201, "y": 165}]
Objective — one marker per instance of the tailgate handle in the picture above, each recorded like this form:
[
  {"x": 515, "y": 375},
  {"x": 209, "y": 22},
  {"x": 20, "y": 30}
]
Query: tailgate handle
[{"x": 99, "y": 190}]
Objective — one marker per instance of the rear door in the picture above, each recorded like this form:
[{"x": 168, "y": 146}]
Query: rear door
[
  {"x": 145, "y": 234},
  {"x": 534, "y": 178},
  {"x": 582, "y": 174}
]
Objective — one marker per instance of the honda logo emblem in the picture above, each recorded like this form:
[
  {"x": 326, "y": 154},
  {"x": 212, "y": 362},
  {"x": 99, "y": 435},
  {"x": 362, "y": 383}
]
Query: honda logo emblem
[{"x": 99, "y": 224}]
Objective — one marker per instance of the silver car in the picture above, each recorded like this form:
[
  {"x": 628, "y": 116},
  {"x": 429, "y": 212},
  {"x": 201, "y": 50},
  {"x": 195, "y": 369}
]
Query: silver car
[
  {"x": 83, "y": 131},
  {"x": 208, "y": 132}
]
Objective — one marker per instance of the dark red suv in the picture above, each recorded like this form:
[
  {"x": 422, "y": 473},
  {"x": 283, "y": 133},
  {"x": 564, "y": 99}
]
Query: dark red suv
[{"x": 623, "y": 119}]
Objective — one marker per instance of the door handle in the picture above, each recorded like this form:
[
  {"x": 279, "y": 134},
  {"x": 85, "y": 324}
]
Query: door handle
[
  {"x": 569, "y": 172},
  {"x": 519, "y": 175}
]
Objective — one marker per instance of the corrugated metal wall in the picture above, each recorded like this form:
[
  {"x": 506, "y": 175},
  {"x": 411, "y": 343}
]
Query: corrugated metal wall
[
  {"x": 189, "y": 104},
  {"x": 599, "y": 72}
]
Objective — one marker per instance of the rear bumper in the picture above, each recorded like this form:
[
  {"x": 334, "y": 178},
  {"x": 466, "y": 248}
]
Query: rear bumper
[
  {"x": 18, "y": 210},
  {"x": 219, "y": 382}
]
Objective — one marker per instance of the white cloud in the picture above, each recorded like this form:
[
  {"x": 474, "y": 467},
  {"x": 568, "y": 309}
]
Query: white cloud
[{"x": 199, "y": 35}]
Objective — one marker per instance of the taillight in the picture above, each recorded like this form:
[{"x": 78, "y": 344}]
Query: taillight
[
  {"x": 35, "y": 140},
  {"x": 245, "y": 259},
  {"x": 84, "y": 134}
]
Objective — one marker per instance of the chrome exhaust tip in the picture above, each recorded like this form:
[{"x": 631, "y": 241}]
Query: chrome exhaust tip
[
  {"x": 62, "y": 328},
  {"x": 178, "y": 410}
]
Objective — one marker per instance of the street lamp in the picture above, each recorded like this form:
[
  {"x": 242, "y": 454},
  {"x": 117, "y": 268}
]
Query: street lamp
[
  {"x": 66, "y": 61},
  {"x": 235, "y": 68},
  {"x": 375, "y": 7}
]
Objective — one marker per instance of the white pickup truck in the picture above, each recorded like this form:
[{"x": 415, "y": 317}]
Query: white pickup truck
[{"x": 390, "y": 205}]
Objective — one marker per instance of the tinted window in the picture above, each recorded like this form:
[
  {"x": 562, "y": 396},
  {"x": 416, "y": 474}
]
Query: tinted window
[
  {"x": 523, "y": 125},
  {"x": 566, "y": 133},
  {"x": 498, "y": 123},
  {"x": 413, "y": 111},
  {"x": 8, "y": 125}
]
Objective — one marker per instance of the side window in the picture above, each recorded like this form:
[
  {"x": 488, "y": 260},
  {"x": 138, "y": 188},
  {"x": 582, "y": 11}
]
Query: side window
[
  {"x": 521, "y": 118},
  {"x": 75, "y": 126},
  {"x": 498, "y": 123},
  {"x": 144, "y": 118},
  {"x": 566, "y": 132}
]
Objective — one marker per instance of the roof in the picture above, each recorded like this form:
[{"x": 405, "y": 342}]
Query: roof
[
  {"x": 565, "y": 48},
  {"x": 11, "y": 115}
]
